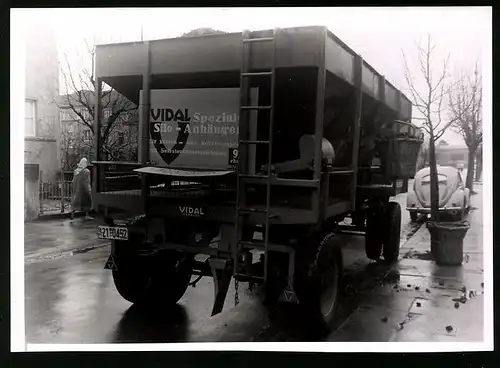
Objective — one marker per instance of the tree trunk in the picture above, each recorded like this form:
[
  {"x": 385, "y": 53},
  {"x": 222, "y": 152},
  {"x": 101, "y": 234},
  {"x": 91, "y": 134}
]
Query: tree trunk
[
  {"x": 479, "y": 167},
  {"x": 434, "y": 181},
  {"x": 470, "y": 169}
]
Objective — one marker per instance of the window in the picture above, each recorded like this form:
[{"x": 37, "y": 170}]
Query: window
[
  {"x": 64, "y": 115},
  {"x": 86, "y": 135},
  {"x": 29, "y": 118},
  {"x": 121, "y": 138},
  {"x": 442, "y": 179}
]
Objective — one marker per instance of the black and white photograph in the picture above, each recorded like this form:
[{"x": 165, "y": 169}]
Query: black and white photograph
[{"x": 275, "y": 179}]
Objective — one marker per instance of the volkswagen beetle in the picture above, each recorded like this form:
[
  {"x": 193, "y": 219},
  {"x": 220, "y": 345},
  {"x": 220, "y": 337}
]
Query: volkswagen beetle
[{"x": 454, "y": 197}]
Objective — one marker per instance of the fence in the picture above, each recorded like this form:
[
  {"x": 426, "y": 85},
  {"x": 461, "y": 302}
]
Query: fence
[{"x": 55, "y": 197}]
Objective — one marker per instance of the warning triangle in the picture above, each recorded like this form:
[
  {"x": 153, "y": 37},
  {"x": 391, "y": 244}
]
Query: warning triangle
[
  {"x": 289, "y": 295},
  {"x": 110, "y": 264}
]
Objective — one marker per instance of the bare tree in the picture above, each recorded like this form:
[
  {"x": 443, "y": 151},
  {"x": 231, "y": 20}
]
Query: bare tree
[
  {"x": 81, "y": 103},
  {"x": 465, "y": 104},
  {"x": 423, "y": 154},
  {"x": 67, "y": 145},
  {"x": 479, "y": 162},
  {"x": 428, "y": 100}
]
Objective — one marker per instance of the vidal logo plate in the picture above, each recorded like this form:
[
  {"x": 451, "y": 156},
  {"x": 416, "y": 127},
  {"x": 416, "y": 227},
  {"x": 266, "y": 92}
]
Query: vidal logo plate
[{"x": 191, "y": 211}]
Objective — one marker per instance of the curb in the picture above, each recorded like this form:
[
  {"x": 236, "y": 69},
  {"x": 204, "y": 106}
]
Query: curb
[
  {"x": 416, "y": 238},
  {"x": 56, "y": 216},
  {"x": 54, "y": 253}
]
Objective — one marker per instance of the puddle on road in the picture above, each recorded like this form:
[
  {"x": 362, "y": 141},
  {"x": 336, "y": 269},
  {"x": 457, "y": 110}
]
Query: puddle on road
[{"x": 423, "y": 256}]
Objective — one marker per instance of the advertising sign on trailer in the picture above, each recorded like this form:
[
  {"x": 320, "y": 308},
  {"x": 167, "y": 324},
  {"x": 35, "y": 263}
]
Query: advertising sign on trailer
[{"x": 195, "y": 128}]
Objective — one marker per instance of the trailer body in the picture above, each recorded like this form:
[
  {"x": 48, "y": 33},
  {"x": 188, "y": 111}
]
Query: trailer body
[{"x": 275, "y": 131}]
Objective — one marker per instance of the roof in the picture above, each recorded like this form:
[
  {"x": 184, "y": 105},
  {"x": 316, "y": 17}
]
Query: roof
[
  {"x": 449, "y": 171},
  {"x": 450, "y": 148}
]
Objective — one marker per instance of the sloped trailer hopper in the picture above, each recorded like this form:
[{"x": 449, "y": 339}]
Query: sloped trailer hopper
[{"x": 215, "y": 110}]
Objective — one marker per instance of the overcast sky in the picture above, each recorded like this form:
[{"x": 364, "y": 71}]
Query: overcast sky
[{"x": 378, "y": 34}]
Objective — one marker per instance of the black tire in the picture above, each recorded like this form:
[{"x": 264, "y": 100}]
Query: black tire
[
  {"x": 317, "y": 283},
  {"x": 359, "y": 220},
  {"x": 374, "y": 235},
  {"x": 414, "y": 216},
  {"x": 161, "y": 278},
  {"x": 459, "y": 216},
  {"x": 393, "y": 237}
]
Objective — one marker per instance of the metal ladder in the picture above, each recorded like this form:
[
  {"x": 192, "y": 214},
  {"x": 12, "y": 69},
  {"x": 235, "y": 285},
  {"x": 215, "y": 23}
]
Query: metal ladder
[{"x": 242, "y": 209}]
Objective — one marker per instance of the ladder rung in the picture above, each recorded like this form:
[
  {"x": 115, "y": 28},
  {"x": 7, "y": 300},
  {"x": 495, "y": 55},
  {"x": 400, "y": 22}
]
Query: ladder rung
[
  {"x": 244, "y": 277},
  {"x": 254, "y": 142},
  {"x": 342, "y": 172},
  {"x": 261, "y": 245},
  {"x": 255, "y": 244},
  {"x": 250, "y": 176},
  {"x": 256, "y": 107},
  {"x": 256, "y": 74},
  {"x": 260, "y": 39}
]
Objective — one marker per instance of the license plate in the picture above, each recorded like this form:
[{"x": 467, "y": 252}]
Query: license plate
[{"x": 112, "y": 232}]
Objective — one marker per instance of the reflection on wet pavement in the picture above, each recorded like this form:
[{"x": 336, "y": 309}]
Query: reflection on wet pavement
[
  {"x": 73, "y": 300},
  {"x": 146, "y": 326}
]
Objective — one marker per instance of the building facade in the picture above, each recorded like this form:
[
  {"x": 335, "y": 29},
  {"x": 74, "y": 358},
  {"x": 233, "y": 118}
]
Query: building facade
[
  {"x": 451, "y": 155},
  {"x": 41, "y": 152}
]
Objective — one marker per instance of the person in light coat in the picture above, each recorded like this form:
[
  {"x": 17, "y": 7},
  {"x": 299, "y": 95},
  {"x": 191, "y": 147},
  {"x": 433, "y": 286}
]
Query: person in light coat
[{"x": 81, "y": 200}]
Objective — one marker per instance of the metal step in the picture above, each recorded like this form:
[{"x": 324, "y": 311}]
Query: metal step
[
  {"x": 258, "y": 244},
  {"x": 261, "y": 245},
  {"x": 244, "y": 278},
  {"x": 260, "y": 39},
  {"x": 256, "y": 107},
  {"x": 256, "y": 74}
]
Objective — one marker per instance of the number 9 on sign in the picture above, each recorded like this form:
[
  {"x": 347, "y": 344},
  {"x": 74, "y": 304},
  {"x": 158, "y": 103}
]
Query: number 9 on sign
[{"x": 233, "y": 156}]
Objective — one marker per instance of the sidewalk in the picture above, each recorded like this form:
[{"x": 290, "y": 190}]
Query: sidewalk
[
  {"x": 420, "y": 301},
  {"x": 48, "y": 238}
]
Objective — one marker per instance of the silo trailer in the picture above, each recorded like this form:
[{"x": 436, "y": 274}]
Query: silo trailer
[{"x": 254, "y": 148}]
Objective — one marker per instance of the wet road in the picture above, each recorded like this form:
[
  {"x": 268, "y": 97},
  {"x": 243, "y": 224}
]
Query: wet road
[{"x": 72, "y": 299}]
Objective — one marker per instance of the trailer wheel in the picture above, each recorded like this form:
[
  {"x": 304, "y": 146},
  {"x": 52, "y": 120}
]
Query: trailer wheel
[
  {"x": 161, "y": 278},
  {"x": 374, "y": 234},
  {"x": 359, "y": 220},
  {"x": 393, "y": 237},
  {"x": 317, "y": 282}
]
